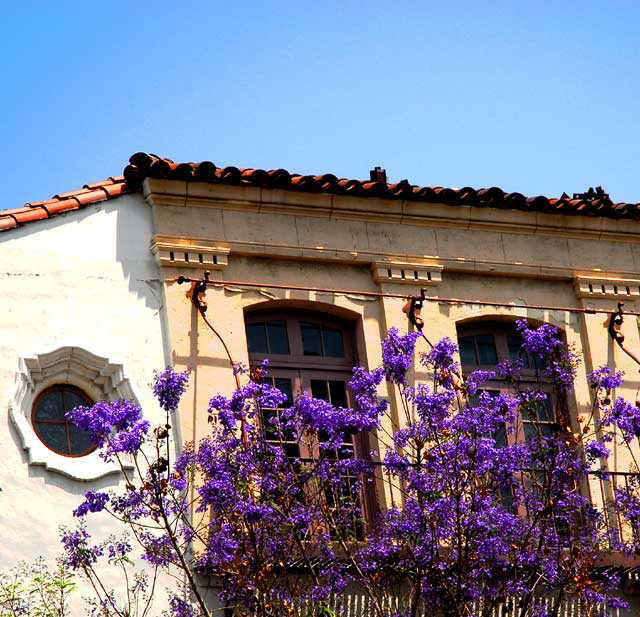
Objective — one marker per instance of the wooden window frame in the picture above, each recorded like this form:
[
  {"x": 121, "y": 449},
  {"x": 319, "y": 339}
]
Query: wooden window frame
[
  {"x": 66, "y": 423},
  {"x": 301, "y": 369},
  {"x": 501, "y": 331}
]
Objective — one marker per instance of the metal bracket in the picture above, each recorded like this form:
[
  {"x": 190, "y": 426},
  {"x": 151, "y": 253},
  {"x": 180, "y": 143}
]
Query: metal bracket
[
  {"x": 197, "y": 291},
  {"x": 413, "y": 308},
  {"x": 615, "y": 325}
]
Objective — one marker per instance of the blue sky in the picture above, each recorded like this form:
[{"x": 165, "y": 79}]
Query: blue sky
[{"x": 536, "y": 97}]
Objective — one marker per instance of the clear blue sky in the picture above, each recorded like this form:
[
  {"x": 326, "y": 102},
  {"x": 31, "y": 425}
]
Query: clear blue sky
[{"x": 536, "y": 97}]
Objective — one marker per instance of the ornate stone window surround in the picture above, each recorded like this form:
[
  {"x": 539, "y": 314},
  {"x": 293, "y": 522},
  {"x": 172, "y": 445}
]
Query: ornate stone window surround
[{"x": 99, "y": 378}]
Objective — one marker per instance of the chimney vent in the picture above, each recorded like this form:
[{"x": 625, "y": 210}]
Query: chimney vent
[{"x": 377, "y": 174}]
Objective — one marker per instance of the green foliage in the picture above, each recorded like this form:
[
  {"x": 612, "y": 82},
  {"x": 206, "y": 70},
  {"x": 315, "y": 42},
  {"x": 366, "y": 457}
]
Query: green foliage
[{"x": 35, "y": 590}]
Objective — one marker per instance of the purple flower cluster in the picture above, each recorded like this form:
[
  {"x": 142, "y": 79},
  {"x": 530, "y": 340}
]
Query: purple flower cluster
[
  {"x": 93, "y": 502},
  {"x": 364, "y": 386},
  {"x": 169, "y": 386},
  {"x": 441, "y": 356},
  {"x": 180, "y": 608},
  {"x": 292, "y": 486},
  {"x": 78, "y": 553},
  {"x": 476, "y": 379},
  {"x": 245, "y": 403},
  {"x": 625, "y": 417},
  {"x": 595, "y": 450},
  {"x": 115, "y": 427},
  {"x": 606, "y": 378},
  {"x": 540, "y": 341},
  {"x": 397, "y": 355}
]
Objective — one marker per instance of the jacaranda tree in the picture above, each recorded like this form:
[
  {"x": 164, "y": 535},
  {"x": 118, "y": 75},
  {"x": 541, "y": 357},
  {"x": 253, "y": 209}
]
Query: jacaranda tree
[{"x": 490, "y": 505}]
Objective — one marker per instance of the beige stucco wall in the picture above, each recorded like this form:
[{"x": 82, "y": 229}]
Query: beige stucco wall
[
  {"x": 244, "y": 234},
  {"x": 84, "y": 281}
]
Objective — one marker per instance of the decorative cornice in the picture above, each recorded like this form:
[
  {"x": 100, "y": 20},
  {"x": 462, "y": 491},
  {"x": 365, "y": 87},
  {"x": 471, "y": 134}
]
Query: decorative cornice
[
  {"x": 163, "y": 192},
  {"x": 407, "y": 273},
  {"x": 177, "y": 254},
  {"x": 617, "y": 289}
]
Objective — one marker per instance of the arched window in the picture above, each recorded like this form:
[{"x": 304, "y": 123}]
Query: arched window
[
  {"x": 483, "y": 344},
  {"x": 311, "y": 352},
  {"x": 51, "y": 425}
]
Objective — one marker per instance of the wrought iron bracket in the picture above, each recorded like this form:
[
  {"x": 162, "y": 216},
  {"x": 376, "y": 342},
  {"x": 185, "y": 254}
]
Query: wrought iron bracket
[
  {"x": 413, "y": 308},
  {"x": 197, "y": 290},
  {"x": 615, "y": 325}
]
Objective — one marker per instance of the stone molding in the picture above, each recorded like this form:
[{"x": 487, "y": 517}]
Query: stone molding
[
  {"x": 164, "y": 192},
  {"x": 407, "y": 273},
  {"x": 97, "y": 376},
  {"x": 617, "y": 289},
  {"x": 178, "y": 254}
]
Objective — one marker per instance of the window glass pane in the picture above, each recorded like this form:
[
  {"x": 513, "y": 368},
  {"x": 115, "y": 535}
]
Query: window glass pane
[
  {"x": 72, "y": 400},
  {"x": 544, "y": 410},
  {"x": 311, "y": 339},
  {"x": 79, "y": 439},
  {"x": 54, "y": 435},
  {"x": 501, "y": 437},
  {"x": 333, "y": 345},
  {"x": 514, "y": 343},
  {"x": 284, "y": 385},
  {"x": 50, "y": 407},
  {"x": 506, "y": 496},
  {"x": 540, "y": 411},
  {"x": 319, "y": 389},
  {"x": 486, "y": 349},
  {"x": 338, "y": 393},
  {"x": 268, "y": 418},
  {"x": 256, "y": 338},
  {"x": 277, "y": 333},
  {"x": 292, "y": 450},
  {"x": 467, "y": 350},
  {"x": 534, "y": 431}
]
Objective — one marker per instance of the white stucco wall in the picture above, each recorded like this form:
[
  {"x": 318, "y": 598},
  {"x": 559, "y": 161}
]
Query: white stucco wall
[{"x": 84, "y": 280}]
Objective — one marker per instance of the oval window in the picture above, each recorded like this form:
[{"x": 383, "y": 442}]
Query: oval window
[{"x": 51, "y": 425}]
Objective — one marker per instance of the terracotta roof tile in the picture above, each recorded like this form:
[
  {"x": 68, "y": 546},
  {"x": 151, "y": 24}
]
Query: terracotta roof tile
[
  {"x": 63, "y": 202},
  {"x": 7, "y": 222},
  {"x": 143, "y": 165},
  {"x": 24, "y": 215}
]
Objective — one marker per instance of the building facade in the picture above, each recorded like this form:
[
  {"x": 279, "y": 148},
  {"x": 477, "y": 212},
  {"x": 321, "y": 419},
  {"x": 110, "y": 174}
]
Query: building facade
[{"x": 308, "y": 270}]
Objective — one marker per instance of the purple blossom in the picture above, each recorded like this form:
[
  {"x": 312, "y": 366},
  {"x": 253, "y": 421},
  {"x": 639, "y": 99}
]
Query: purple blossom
[
  {"x": 169, "y": 386},
  {"x": 509, "y": 370},
  {"x": 540, "y": 341},
  {"x": 625, "y": 417},
  {"x": 158, "y": 550},
  {"x": 180, "y": 607},
  {"x": 369, "y": 405},
  {"x": 595, "y": 449},
  {"x": 115, "y": 426},
  {"x": 94, "y": 502},
  {"x": 476, "y": 379},
  {"x": 441, "y": 356},
  {"x": 604, "y": 377},
  {"x": 78, "y": 553},
  {"x": 118, "y": 549},
  {"x": 397, "y": 355}
]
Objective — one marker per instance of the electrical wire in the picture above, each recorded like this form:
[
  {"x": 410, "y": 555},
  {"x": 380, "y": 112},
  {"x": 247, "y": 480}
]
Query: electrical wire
[{"x": 382, "y": 294}]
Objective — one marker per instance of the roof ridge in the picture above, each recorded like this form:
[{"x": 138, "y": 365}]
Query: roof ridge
[
  {"x": 142, "y": 165},
  {"x": 89, "y": 194}
]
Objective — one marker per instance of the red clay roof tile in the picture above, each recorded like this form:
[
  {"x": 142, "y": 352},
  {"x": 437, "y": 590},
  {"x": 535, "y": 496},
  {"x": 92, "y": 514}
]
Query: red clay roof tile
[
  {"x": 145, "y": 165},
  {"x": 7, "y": 222},
  {"x": 63, "y": 202}
]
